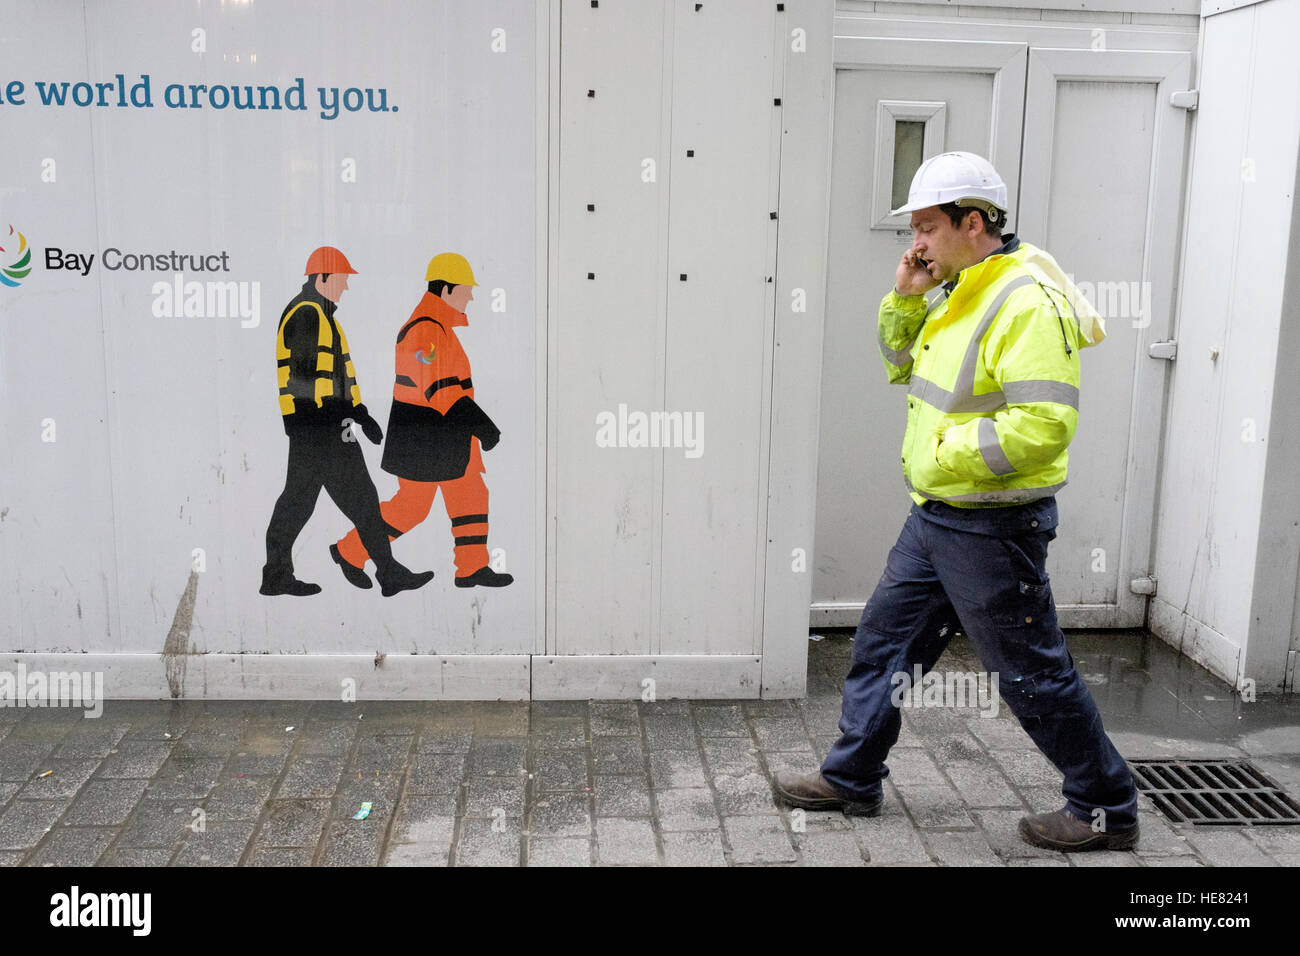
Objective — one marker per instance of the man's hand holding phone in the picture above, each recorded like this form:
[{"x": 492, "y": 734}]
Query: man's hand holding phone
[{"x": 913, "y": 276}]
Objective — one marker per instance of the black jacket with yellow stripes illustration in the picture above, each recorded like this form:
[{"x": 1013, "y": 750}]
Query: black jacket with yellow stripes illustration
[{"x": 318, "y": 385}]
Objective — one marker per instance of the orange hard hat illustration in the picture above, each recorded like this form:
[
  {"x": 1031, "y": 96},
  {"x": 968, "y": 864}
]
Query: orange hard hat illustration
[{"x": 328, "y": 259}]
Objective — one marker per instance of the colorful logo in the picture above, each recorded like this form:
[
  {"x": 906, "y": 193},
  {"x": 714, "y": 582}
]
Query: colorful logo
[
  {"x": 425, "y": 358},
  {"x": 10, "y": 274}
]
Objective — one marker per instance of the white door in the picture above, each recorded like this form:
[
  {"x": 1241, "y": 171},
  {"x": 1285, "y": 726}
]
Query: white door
[
  {"x": 896, "y": 102},
  {"x": 1101, "y": 189}
]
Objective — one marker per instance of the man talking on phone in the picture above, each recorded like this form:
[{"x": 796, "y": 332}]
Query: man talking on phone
[{"x": 992, "y": 369}]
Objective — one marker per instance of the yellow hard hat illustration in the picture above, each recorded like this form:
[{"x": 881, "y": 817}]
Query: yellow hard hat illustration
[{"x": 450, "y": 267}]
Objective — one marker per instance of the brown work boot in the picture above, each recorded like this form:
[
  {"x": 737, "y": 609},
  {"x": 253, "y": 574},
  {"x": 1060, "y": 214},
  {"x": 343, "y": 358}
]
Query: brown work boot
[
  {"x": 1062, "y": 830},
  {"x": 812, "y": 792}
]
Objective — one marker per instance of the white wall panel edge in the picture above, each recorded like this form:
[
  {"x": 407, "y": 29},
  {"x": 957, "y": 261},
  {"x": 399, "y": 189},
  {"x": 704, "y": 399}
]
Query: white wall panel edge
[
  {"x": 1210, "y": 8},
  {"x": 1070, "y": 616},
  {"x": 621, "y": 676},
  {"x": 295, "y": 676},
  {"x": 1197, "y": 640},
  {"x": 552, "y": 223},
  {"x": 663, "y": 254},
  {"x": 1176, "y": 305},
  {"x": 781, "y": 41},
  {"x": 804, "y": 218},
  {"x": 548, "y": 174},
  {"x": 1185, "y": 7},
  {"x": 1063, "y": 33},
  {"x": 1277, "y": 566},
  {"x": 870, "y": 52},
  {"x": 835, "y": 614}
]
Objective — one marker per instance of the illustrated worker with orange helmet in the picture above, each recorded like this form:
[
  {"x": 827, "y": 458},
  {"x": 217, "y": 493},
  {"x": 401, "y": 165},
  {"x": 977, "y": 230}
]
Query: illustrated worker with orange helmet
[
  {"x": 319, "y": 401},
  {"x": 435, "y": 432}
]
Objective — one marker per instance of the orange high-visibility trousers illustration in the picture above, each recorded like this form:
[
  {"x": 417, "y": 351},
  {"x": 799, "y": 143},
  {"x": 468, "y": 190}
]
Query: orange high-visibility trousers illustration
[{"x": 466, "y": 501}]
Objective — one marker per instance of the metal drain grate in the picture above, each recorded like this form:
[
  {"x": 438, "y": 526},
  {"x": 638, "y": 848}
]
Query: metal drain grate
[{"x": 1214, "y": 792}]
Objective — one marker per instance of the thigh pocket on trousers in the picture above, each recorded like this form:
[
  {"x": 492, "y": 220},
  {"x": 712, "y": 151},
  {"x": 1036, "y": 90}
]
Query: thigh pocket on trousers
[
  {"x": 1024, "y": 599},
  {"x": 1023, "y": 605}
]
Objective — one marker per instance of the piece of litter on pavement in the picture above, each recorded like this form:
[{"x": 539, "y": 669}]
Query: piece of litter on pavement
[
  {"x": 47, "y": 773},
  {"x": 287, "y": 729},
  {"x": 814, "y": 637},
  {"x": 363, "y": 812},
  {"x": 168, "y": 736}
]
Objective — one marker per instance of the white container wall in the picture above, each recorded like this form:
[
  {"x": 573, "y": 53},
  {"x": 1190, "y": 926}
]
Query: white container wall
[
  {"x": 642, "y": 145},
  {"x": 140, "y": 400},
  {"x": 1228, "y": 537},
  {"x": 673, "y": 215}
]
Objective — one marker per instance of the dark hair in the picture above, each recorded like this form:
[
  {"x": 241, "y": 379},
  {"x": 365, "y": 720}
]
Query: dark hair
[
  {"x": 438, "y": 285},
  {"x": 959, "y": 213}
]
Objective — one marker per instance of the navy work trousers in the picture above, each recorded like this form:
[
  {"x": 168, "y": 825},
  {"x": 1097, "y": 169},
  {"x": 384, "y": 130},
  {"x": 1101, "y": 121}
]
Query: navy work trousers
[{"x": 983, "y": 571}]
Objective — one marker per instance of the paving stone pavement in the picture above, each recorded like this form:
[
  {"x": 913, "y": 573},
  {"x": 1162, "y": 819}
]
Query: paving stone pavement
[{"x": 558, "y": 783}]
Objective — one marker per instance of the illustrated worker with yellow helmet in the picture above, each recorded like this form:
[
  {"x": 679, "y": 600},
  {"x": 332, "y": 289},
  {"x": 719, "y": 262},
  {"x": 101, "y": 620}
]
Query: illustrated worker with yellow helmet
[
  {"x": 992, "y": 369},
  {"x": 319, "y": 401},
  {"x": 436, "y": 431}
]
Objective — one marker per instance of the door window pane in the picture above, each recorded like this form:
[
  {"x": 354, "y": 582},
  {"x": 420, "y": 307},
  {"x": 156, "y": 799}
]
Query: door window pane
[{"x": 909, "y": 142}]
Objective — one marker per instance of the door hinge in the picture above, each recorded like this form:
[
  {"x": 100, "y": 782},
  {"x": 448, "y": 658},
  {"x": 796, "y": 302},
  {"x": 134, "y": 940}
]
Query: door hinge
[
  {"x": 1144, "y": 585},
  {"x": 1185, "y": 99},
  {"x": 1163, "y": 350}
]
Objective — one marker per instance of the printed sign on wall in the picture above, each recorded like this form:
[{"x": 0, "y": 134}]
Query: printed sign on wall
[{"x": 248, "y": 256}]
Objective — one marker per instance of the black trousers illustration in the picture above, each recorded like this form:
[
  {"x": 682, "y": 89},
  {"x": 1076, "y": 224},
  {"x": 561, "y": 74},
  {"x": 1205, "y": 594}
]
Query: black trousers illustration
[{"x": 320, "y": 458}]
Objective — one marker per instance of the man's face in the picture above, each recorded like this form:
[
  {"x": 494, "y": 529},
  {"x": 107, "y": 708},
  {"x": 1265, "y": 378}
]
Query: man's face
[
  {"x": 459, "y": 297},
  {"x": 947, "y": 248},
  {"x": 333, "y": 287}
]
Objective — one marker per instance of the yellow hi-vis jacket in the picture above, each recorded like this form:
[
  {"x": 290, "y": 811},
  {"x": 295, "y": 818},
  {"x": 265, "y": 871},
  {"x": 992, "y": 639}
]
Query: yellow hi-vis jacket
[{"x": 993, "y": 380}]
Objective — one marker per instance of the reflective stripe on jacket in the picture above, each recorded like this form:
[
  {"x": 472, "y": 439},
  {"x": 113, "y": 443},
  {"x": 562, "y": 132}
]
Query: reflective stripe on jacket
[
  {"x": 331, "y": 358},
  {"x": 993, "y": 380}
]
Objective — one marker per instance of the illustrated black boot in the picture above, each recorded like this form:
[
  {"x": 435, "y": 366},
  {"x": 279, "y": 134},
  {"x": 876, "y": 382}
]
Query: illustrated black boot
[
  {"x": 395, "y": 578},
  {"x": 355, "y": 575},
  {"x": 280, "y": 581},
  {"x": 485, "y": 577}
]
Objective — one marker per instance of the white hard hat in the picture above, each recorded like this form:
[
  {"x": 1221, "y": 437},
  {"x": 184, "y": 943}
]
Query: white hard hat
[{"x": 963, "y": 178}]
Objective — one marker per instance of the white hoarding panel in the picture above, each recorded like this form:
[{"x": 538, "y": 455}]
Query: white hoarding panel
[{"x": 171, "y": 168}]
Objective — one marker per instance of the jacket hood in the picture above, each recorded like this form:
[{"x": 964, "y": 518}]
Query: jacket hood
[{"x": 1045, "y": 269}]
